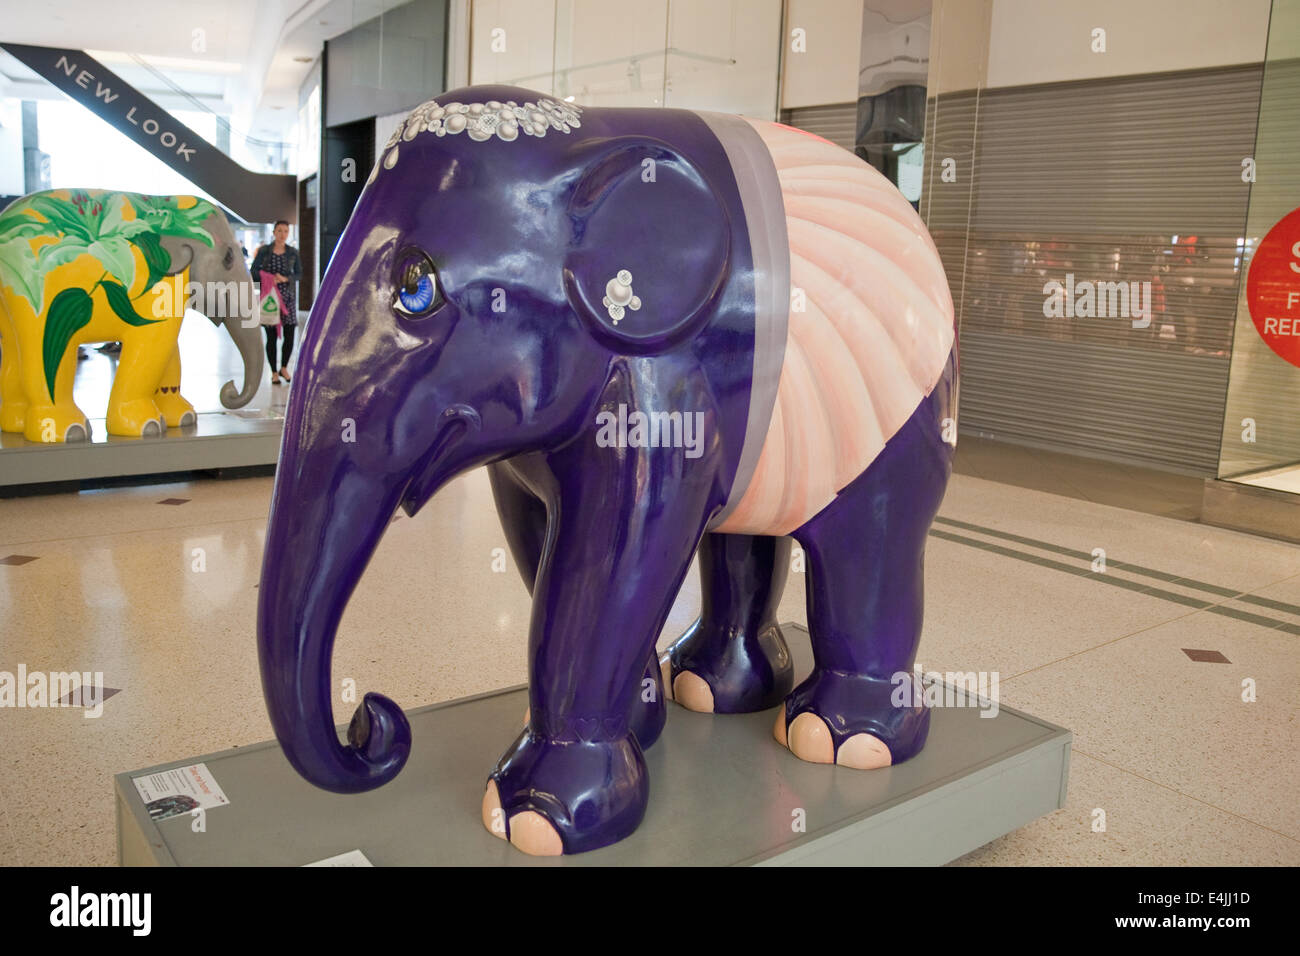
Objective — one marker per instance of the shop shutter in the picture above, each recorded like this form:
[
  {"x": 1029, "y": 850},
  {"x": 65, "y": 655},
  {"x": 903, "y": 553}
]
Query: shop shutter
[
  {"x": 1096, "y": 178},
  {"x": 837, "y": 122}
]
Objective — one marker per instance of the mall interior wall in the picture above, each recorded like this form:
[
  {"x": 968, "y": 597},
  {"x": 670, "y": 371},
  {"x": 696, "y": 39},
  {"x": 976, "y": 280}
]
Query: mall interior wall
[{"x": 719, "y": 55}]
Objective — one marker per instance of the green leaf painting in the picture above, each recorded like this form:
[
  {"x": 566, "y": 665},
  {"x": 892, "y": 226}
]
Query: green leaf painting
[
  {"x": 117, "y": 258},
  {"x": 169, "y": 219},
  {"x": 94, "y": 224},
  {"x": 69, "y": 312},
  {"x": 13, "y": 227},
  {"x": 156, "y": 258},
  {"x": 22, "y": 273},
  {"x": 121, "y": 304},
  {"x": 62, "y": 216},
  {"x": 114, "y": 225}
]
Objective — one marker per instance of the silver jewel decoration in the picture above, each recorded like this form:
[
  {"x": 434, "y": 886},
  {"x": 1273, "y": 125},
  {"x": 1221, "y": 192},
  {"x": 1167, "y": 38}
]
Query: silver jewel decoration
[
  {"x": 618, "y": 296},
  {"x": 481, "y": 122}
]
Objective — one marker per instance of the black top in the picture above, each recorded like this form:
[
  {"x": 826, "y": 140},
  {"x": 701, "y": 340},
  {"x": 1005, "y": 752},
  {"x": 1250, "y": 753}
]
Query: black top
[{"x": 285, "y": 264}]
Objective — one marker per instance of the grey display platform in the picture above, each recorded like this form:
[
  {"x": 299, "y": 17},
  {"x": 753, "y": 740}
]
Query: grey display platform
[
  {"x": 220, "y": 438},
  {"x": 723, "y": 792},
  {"x": 217, "y": 440}
]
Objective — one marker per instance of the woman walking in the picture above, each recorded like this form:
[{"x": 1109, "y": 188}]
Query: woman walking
[{"x": 280, "y": 261}]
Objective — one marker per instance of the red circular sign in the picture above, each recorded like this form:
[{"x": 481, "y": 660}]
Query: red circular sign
[{"x": 1273, "y": 288}]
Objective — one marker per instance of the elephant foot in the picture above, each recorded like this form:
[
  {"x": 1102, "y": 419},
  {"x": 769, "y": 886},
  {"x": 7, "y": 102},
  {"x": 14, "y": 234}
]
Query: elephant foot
[
  {"x": 549, "y": 797},
  {"x": 175, "y": 410},
  {"x": 851, "y": 720},
  {"x": 55, "y": 423},
  {"x": 13, "y": 416},
  {"x": 718, "y": 671},
  {"x": 530, "y": 831},
  {"x": 138, "y": 418}
]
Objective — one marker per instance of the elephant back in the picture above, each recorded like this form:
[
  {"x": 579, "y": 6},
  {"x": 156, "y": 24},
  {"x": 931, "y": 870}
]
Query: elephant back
[{"x": 869, "y": 332}]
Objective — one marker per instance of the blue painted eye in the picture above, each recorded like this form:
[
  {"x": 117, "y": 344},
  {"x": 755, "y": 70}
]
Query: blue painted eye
[
  {"x": 419, "y": 298},
  {"x": 416, "y": 279}
]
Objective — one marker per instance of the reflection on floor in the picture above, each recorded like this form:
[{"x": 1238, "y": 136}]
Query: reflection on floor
[
  {"x": 1180, "y": 756},
  {"x": 1278, "y": 479}
]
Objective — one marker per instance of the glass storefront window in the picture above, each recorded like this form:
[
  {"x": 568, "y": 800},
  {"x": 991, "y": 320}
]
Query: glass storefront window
[{"x": 1261, "y": 428}]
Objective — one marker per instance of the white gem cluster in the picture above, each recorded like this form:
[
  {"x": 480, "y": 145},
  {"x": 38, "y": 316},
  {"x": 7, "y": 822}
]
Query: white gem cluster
[{"x": 480, "y": 122}]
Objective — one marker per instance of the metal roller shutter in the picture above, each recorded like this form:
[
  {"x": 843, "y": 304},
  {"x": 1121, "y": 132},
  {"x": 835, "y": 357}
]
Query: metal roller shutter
[
  {"x": 1094, "y": 179},
  {"x": 837, "y": 122}
]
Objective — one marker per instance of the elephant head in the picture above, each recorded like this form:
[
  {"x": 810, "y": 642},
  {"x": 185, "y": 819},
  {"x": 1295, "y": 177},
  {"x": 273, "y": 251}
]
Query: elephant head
[
  {"x": 229, "y": 297},
  {"x": 511, "y": 266}
]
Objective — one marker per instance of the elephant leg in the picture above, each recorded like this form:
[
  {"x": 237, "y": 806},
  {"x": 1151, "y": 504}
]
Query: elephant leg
[
  {"x": 49, "y": 418},
  {"x": 176, "y": 411},
  {"x": 132, "y": 410},
  {"x": 523, "y": 519},
  {"x": 734, "y": 659},
  {"x": 13, "y": 398},
  {"x": 575, "y": 779},
  {"x": 866, "y": 561}
]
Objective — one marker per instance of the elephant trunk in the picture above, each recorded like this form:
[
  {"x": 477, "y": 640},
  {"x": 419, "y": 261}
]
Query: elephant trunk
[
  {"x": 245, "y": 331},
  {"x": 317, "y": 546}
]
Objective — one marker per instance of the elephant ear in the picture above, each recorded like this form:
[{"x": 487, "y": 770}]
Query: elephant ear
[{"x": 650, "y": 245}]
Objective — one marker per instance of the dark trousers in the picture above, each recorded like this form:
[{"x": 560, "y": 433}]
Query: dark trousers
[{"x": 286, "y": 348}]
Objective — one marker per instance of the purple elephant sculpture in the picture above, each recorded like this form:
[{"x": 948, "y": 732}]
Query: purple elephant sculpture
[{"x": 663, "y": 331}]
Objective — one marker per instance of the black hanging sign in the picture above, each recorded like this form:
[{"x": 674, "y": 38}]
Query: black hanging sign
[{"x": 255, "y": 197}]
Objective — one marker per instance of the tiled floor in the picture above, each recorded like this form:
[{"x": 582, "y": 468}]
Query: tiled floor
[{"x": 1167, "y": 753}]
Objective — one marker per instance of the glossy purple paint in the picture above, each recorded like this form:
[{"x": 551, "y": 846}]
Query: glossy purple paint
[
  {"x": 736, "y": 645},
  {"x": 385, "y": 409}
]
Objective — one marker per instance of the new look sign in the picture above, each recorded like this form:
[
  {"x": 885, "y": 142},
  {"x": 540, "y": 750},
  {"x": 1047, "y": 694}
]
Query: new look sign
[{"x": 256, "y": 197}]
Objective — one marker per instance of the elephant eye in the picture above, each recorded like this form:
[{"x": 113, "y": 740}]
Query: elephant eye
[
  {"x": 417, "y": 291},
  {"x": 228, "y": 259}
]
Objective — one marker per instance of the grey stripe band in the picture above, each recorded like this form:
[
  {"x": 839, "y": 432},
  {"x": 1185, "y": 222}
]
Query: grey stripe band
[{"x": 760, "y": 196}]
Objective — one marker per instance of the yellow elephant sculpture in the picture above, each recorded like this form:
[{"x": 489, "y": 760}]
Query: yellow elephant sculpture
[{"x": 81, "y": 266}]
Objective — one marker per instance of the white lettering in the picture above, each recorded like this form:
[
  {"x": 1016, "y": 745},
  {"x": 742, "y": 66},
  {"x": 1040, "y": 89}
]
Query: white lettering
[
  {"x": 133, "y": 910},
  {"x": 654, "y": 430}
]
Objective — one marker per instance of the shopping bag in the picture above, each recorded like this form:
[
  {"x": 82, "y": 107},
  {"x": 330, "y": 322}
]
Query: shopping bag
[{"x": 269, "y": 307}]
